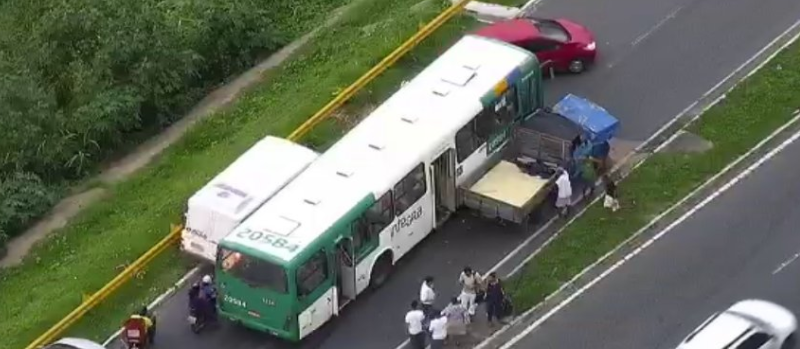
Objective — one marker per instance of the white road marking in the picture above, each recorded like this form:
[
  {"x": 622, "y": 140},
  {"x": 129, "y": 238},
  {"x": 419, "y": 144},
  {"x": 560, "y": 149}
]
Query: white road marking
[
  {"x": 749, "y": 170},
  {"x": 655, "y": 135},
  {"x": 666, "y": 126},
  {"x": 650, "y": 139},
  {"x": 658, "y": 25},
  {"x": 786, "y": 263},
  {"x": 645, "y": 35}
]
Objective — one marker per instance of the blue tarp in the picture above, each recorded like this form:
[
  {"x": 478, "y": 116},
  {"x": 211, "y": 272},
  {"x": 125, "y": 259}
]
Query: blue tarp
[{"x": 599, "y": 125}]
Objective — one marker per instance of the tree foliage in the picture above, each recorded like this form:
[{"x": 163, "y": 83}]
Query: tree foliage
[{"x": 79, "y": 78}]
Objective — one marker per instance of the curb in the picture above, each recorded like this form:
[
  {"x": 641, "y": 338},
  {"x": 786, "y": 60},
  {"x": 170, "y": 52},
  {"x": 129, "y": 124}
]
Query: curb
[{"x": 492, "y": 10}]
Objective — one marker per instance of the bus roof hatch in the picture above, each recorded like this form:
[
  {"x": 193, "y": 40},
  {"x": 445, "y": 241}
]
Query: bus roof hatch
[
  {"x": 281, "y": 225},
  {"x": 459, "y": 76}
]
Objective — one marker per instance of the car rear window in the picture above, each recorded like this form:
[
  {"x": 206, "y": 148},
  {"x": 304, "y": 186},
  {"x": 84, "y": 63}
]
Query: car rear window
[{"x": 551, "y": 30}]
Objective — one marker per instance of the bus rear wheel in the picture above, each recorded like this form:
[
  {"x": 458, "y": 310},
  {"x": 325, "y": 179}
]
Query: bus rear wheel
[{"x": 381, "y": 271}]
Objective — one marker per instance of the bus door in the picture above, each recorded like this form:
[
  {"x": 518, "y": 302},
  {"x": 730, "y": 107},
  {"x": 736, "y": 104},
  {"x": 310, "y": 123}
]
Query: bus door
[
  {"x": 443, "y": 179},
  {"x": 345, "y": 272}
]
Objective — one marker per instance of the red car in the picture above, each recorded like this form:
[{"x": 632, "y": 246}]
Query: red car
[{"x": 560, "y": 44}]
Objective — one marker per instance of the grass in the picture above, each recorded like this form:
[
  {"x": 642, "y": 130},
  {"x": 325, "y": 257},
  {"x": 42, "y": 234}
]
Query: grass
[
  {"x": 95, "y": 246},
  {"x": 754, "y": 109}
]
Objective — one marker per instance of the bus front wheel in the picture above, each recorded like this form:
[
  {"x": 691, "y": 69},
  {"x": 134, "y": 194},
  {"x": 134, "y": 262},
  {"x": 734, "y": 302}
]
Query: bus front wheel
[{"x": 381, "y": 271}]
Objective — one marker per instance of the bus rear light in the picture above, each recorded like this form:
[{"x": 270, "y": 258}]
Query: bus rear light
[{"x": 254, "y": 314}]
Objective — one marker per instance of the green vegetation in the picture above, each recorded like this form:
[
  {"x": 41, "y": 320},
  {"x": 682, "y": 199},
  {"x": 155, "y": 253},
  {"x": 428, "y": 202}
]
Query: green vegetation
[
  {"x": 753, "y": 110},
  {"x": 82, "y": 257},
  {"x": 81, "y": 80}
]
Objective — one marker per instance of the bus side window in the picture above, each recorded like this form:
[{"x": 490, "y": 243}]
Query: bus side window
[
  {"x": 533, "y": 92},
  {"x": 512, "y": 105},
  {"x": 466, "y": 143},
  {"x": 380, "y": 214},
  {"x": 366, "y": 229},
  {"x": 409, "y": 190},
  {"x": 312, "y": 274},
  {"x": 486, "y": 124}
]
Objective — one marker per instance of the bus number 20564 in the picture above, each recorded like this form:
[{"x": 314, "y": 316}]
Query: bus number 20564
[{"x": 268, "y": 238}]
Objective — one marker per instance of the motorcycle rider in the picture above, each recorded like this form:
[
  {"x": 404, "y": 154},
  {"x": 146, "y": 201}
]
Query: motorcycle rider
[
  {"x": 149, "y": 324},
  {"x": 196, "y": 306},
  {"x": 208, "y": 292}
]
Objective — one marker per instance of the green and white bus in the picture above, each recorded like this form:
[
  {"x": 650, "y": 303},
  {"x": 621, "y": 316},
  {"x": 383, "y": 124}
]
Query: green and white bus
[{"x": 342, "y": 224}]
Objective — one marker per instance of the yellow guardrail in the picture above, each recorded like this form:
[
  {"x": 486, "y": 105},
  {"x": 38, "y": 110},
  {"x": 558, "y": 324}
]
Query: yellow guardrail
[{"x": 174, "y": 236}]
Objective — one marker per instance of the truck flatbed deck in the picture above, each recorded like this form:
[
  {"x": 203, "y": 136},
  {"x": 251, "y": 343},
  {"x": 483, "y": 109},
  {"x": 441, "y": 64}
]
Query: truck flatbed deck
[{"x": 506, "y": 183}]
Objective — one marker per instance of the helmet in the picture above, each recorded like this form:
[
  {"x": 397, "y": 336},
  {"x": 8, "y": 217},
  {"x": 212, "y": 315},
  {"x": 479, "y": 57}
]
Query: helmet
[{"x": 207, "y": 279}]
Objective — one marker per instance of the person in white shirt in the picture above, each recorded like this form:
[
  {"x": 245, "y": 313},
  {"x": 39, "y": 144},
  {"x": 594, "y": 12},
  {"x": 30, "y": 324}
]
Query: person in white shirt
[
  {"x": 470, "y": 283},
  {"x": 414, "y": 319},
  {"x": 564, "y": 200},
  {"x": 427, "y": 296},
  {"x": 438, "y": 328}
]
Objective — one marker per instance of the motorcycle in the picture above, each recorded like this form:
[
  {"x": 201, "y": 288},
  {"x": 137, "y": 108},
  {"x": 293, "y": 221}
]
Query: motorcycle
[
  {"x": 135, "y": 337},
  {"x": 196, "y": 321},
  {"x": 199, "y": 318}
]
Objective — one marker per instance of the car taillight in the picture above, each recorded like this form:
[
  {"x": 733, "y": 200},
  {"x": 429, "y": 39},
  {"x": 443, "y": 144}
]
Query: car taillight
[{"x": 591, "y": 46}]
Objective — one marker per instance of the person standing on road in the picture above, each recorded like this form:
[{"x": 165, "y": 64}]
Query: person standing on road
[
  {"x": 610, "y": 200},
  {"x": 457, "y": 319},
  {"x": 588, "y": 175},
  {"x": 494, "y": 298},
  {"x": 438, "y": 328},
  {"x": 427, "y": 296},
  {"x": 564, "y": 186},
  {"x": 209, "y": 293},
  {"x": 470, "y": 281},
  {"x": 414, "y": 319}
]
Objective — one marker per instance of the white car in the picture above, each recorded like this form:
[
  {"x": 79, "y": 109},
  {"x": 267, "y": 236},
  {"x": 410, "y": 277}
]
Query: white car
[
  {"x": 74, "y": 343},
  {"x": 748, "y": 324}
]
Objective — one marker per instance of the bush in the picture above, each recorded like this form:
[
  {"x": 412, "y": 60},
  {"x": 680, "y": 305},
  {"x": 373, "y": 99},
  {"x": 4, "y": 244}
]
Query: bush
[
  {"x": 80, "y": 79},
  {"x": 91, "y": 72},
  {"x": 23, "y": 197}
]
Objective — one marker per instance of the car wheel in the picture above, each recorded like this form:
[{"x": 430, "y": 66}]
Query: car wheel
[
  {"x": 790, "y": 342},
  {"x": 381, "y": 271},
  {"x": 577, "y": 66}
]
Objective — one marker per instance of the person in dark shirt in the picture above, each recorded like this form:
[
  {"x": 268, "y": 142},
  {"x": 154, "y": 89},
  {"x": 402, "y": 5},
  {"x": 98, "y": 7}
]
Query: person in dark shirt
[{"x": 494, "y": 298}]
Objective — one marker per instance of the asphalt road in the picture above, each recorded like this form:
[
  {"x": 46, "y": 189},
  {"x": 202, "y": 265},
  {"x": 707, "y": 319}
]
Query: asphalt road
[
  {"x": 734, "y": 248},
  {"x": 653, "y": 63}
]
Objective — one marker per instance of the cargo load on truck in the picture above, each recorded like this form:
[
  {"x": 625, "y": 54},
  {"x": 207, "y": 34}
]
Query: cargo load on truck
[
  {"x": 520, "y": 179},
  {"x": 238, "y": 191}
]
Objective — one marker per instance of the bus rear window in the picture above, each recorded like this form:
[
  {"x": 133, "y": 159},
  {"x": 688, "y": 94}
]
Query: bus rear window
[{"x": 253, "y": 271}]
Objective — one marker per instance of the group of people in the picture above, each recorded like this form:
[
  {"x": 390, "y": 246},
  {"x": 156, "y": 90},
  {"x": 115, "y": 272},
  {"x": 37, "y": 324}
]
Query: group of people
[
  {"x": 203, "y": 300},
  {"x": 202, "y": 304},
  {"x": 424, "y": 321},
  {"x": 590, "y": 169}
]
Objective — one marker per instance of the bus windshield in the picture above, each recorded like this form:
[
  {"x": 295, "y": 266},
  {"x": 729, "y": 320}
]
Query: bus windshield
[{"x": 253, "y": 271}]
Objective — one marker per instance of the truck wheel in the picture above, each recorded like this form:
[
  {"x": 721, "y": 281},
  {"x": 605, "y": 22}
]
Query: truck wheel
[{"x": 381, "y": 271}]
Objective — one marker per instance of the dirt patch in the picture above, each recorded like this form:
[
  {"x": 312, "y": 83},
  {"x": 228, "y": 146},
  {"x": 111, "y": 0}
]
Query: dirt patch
[
  {"x": 58, "y": 217},
  {"x": 687, "y": 142},
  {"x": 142, "y": 155}
]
